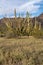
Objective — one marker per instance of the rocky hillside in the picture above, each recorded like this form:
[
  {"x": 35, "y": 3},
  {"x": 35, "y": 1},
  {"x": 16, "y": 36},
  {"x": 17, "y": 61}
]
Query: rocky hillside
[
  {"x": 14, "y": 22},
  {"x": 39, "y": 19}
]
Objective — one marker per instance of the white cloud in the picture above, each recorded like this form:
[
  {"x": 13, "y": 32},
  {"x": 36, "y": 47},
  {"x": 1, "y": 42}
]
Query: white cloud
[
  {"x": 7, "y": 6},
  {"x": 29, "y": 6}
]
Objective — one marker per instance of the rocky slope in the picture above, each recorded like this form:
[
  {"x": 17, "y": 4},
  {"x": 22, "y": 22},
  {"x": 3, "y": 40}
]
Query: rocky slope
[{"x": 17, "y": 21}]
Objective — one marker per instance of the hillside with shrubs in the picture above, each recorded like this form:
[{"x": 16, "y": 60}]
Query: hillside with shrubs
[
  {"x": 18, "y": 26},
  {"x": 21, "y": 40}
]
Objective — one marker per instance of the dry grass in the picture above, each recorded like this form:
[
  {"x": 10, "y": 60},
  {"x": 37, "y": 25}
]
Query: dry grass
[{"x": 21, "y": 51}]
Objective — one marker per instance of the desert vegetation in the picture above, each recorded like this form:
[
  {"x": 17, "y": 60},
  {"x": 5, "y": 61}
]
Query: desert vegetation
[
  {"x": 21, "y": 51},
  {"x": 17, "y": 27},
  {"x": 21, "y": 41}
]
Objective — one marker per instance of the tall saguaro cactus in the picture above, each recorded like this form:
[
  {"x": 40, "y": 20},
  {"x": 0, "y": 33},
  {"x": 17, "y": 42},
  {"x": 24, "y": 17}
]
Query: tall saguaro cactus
[
  {"x": 15, "y": 12},
  {"x": 29, "y": 23},
  {"x": 27, "y": 14}
]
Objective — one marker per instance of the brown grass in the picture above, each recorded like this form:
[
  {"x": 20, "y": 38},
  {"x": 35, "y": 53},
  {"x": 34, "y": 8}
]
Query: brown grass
[{"x": 21, "y": 51}]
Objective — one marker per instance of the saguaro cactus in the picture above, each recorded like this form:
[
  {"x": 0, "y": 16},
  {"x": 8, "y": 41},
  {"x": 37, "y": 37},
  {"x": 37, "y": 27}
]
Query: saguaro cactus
[
  {"x": 27, "y": 14},
  {"x": 15, "y": 12},
  {"x": 27, "y": 25}
]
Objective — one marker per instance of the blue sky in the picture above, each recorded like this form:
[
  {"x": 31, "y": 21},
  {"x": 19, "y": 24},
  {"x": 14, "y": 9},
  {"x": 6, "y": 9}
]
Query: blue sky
[{"x": 34, "y": 7}]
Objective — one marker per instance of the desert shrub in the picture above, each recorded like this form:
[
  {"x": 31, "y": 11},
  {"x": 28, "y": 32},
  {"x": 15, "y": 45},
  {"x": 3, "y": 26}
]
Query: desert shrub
[
  {"x": 9, "y": 34},
  {"x": 2, "y": 34},
  {"x": 37, "y": 33}
]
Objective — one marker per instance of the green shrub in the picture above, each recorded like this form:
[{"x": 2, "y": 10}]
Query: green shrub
[
  {"x": 37, "y": 33},
  {"x": 10, "y": 34}
]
